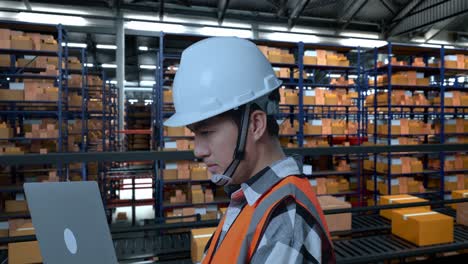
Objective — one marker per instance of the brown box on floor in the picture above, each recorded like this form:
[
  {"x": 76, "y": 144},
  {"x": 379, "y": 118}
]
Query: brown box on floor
[
  {"x": 199, "y": 238},
  {"x": 24, "y": 252},
  {"x": 422, "y": 227},
  {"x": 335, "y": 222},
  {"x": 462, "y": 214},
  {"x": 20, "y": 227}
]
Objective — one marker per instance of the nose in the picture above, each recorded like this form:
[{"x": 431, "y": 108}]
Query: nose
[{"x": 201, "y": 149}]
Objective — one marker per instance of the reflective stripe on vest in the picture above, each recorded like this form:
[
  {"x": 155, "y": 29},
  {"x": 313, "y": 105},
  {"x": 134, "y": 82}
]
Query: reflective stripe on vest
[{"x": 243, "y": 237}]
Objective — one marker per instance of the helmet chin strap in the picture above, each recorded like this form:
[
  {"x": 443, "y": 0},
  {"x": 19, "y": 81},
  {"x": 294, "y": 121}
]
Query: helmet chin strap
[{"x": 239, "y": 152}]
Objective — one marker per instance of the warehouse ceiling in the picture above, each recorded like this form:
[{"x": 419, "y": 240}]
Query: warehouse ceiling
[{"x": 426, "y": 21}]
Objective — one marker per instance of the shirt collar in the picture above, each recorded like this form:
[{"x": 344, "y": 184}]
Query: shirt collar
[{"x": 261, "y": 182}]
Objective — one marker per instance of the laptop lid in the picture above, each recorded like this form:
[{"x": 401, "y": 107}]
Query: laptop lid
[{"x": 70, "y": 223}]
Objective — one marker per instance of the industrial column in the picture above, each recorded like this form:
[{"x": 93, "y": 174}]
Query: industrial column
[{"x": 120, "y": 59}]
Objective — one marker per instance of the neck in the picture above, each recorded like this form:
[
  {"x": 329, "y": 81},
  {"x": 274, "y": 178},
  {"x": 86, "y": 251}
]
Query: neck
[{"x": 267, "y": 153}]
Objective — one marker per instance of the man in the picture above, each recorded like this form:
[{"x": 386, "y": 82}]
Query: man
[{"x": 226, "y": 92}]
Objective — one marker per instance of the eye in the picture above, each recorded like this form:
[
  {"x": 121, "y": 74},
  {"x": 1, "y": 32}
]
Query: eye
[{"x": 205, "y": 132}]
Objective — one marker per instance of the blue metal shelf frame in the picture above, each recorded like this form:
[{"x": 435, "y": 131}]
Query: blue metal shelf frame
[{"x": 441, "y": 87}]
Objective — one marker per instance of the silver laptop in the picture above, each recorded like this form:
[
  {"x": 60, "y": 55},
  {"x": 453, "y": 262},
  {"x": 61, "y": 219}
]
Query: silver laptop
[{"x": 70, "y": 223}]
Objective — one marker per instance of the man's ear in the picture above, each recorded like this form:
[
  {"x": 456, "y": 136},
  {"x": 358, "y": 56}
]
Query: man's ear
[{"x": 258, "y": 124}]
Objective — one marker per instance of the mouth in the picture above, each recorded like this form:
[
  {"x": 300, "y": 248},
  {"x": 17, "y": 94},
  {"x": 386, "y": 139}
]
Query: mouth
[{"x": 212, "y": 168}]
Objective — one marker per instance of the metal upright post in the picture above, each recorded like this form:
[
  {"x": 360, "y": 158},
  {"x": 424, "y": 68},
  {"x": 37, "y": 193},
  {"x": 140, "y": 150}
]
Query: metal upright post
[
  {"x": 375, "y": 123},
  {"x": 60, "y": 86},
  {"x": 300, "y": 136},
  {"x": 390, "y": 116},
  {"x": 84, "y": 86},
  {"x": 442, "y": 121},
  {"x": 120, "y": 58}
]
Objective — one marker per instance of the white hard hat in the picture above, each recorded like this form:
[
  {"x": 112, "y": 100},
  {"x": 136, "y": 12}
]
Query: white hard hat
[{"x": 219, "y": 74}]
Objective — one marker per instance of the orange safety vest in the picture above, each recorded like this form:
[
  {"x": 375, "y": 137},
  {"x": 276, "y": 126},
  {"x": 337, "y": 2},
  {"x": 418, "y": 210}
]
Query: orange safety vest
[{"x": 242, "y": 239}]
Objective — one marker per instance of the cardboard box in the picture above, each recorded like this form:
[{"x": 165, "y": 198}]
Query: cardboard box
[
  {"x": 335, "y": 222},
  {"x": 462, "y": 214},
  {"x": 20, "y": 227},
  {"x": 199, "y": 173},
  {"x": 310, "y": 60},
  {"x": 183, "y": 174},
  {"x": 24, "y": 252},
  {"x": 175, "y": 131},
  {"x": 11, "y": 95},
  {"x": 13, "y": 206},
  {"x": 6, "y": 133},
  {"x": 198, "y": 197},
  {"x": 400, "y": 199},
  {"x": 199, "y": 238},
  {"x": 458, "y": 194},
  {"x": 170, "y": 174},
  {"x": 332, "y": 187},
  {"x": 383, "y": 188},
  {"x": 22, "y": 44},
  {"x": 422, "y": 227}
]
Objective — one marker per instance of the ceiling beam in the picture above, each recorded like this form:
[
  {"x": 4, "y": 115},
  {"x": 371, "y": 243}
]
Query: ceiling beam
[
  {"x": 351, "y": 13},
  {"x": 161, "y": 9},
  {"x": 389, "y": 6},
  {"x": 296, "y": 13},
  {"x": 428, "y": 16},
  {"x": 438, "y": 27},
  {"x": 222, "y": 7},
  {"x": 27, "y": 4},
  {"x": 403, "y": 13}
]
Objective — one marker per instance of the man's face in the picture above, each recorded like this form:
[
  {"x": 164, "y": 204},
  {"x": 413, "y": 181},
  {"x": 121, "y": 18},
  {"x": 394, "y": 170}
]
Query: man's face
[{"x": 215, "y": 142}]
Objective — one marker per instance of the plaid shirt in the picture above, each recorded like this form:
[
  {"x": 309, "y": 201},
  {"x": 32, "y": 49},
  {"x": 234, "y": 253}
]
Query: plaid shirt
[{"x": 292, "y": 235}]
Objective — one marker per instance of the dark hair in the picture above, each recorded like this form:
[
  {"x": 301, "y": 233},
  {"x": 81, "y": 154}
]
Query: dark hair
[{"x": 272, "y": 125}]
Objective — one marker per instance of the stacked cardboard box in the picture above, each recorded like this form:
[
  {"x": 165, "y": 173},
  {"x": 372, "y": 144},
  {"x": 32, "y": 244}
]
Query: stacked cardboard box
[
  {"x": 177, "y": 132},
  {"x": 167, "y": 96},
  {"x": 5, "y": 39},
  {"x": 275, "y": 55},
  {"x": 74, "y": 63},
  {"x": 327, "y": 126},
  {"x": 453, "y": 126},
  {"x": 342, "y": 81},
  {"x": 335, "y": 222},
  {"x": 331, "y": 58},
  {"x": 452, "y": 162},
  {"x": 402, "y": 78},
  {"x": 400, "y": 185},
  {"x": 286, "y": 128},
  {"x": 5, "y": 131},
  {"x": 457, "y": 61},
  {"x": 11, "y": 95},
  {"x": 418, "y": 62},
  {"x": 95, "y": 105},
  {"x": 178, "y": 197},
  {"x": 40, "y": 90},
  {"x": 330, "y": 185},
  {"x": 41, "y": 129},
  {"x": 198, "y": 196},
  {"x": 286, "y": 73},
  {"x": 399, "y": 199},
  {"x": 399, "y": 165},
  {"x": 398, "y": 97},
  {"x": 405, "y": 127},
  {"x": 453, "y": 98}
]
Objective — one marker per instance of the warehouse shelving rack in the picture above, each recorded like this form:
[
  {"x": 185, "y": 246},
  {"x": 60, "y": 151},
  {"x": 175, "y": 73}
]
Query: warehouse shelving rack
[
  {"x": 163, "y": 109},
  {"x": 389, "y": 110},
  {"x": 15, "y": 111}
]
